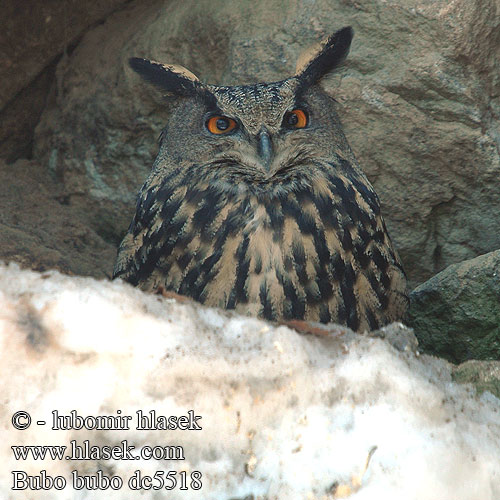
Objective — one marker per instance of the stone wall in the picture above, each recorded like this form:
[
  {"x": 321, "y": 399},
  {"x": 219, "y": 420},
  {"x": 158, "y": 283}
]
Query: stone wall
[{"x": 419, "y": 97}]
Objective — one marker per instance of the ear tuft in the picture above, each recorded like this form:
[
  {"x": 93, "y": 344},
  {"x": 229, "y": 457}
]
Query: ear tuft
[
  {"x": 325, "y": 57},
  {"x": 174, "y": 79}
]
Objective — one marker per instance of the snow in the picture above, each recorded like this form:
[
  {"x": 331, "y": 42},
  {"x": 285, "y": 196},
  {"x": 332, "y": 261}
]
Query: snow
[{"x": 284, "y": 415}]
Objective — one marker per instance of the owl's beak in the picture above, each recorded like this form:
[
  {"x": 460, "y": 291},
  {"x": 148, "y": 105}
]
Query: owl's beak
[{"x": 265, "y": 148}]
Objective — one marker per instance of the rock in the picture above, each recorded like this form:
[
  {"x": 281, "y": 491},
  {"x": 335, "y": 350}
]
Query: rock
[
  {"x": 399, "y": 336},
  {"x": 456, "y": 313},
  {"x": 33, "y": 35},
  {"x": 483, "y": 375},
  {"x": 283, "y": 415},
  {"x": 20, "y": 116},
  {"x": 418, "y": 97},
  {"x": 42, "y": 229}
]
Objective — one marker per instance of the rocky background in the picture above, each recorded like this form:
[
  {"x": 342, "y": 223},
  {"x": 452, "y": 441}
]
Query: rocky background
[{"x": 419, "y": 97}]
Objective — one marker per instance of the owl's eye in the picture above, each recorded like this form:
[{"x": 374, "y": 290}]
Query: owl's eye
[
  {"x": 220, "y": 124},
  {"x": 295, "y": 119}
]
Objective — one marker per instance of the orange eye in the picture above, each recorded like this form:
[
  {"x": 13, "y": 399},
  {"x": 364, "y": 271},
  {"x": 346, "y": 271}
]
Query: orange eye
[
  {"x": 220, "y": 124},
  {"x": 295, "y": 119}
]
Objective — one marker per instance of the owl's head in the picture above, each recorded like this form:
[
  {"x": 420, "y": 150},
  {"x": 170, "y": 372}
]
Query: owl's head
[{"x": 252, "y": 137}]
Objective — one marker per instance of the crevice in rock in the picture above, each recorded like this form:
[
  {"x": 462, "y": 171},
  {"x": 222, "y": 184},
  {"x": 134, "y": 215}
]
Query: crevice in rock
[
  {"x": 434, "y": 232},
  {"x": 21, "y": 114}
]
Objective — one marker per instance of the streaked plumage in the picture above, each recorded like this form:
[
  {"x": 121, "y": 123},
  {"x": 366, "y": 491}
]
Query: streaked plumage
[{"x": 267, "y": 220}]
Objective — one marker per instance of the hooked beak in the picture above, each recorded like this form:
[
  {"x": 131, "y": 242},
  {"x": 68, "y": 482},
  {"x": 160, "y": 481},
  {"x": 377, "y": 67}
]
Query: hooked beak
[{"x": 265, "y": 148}]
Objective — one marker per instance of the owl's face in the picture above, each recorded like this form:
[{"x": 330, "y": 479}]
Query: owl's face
[{"x": 257, "y": 138}]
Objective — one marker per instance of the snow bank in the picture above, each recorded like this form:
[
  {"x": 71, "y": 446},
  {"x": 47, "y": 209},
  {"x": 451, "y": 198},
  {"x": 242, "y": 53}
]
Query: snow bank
[{"x": 283, "y": 415}]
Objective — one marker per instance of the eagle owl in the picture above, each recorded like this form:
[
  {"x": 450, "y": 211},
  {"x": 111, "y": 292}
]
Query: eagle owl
[{"x": 256, "y": 203}]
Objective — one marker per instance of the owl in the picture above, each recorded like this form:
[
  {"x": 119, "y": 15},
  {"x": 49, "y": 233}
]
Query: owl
[{"x": 256, "y": 203}]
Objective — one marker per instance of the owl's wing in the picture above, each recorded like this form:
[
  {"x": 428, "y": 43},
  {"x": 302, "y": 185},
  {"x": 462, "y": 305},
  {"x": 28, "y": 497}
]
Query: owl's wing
[{"x": 148, "y": 232}]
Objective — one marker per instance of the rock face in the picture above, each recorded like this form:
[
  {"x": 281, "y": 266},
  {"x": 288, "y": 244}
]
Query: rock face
[
  {"x": 456, "y": 314},
  {"x": 283, "y": 415},
  {"x": 41, "y": 230},
  {"x": 33, "y": 35},
  {"x": 418, "y": 96}
]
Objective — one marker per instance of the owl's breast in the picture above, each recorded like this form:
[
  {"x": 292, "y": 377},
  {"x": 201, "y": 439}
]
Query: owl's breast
[{"x": 318, "y": 255}]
